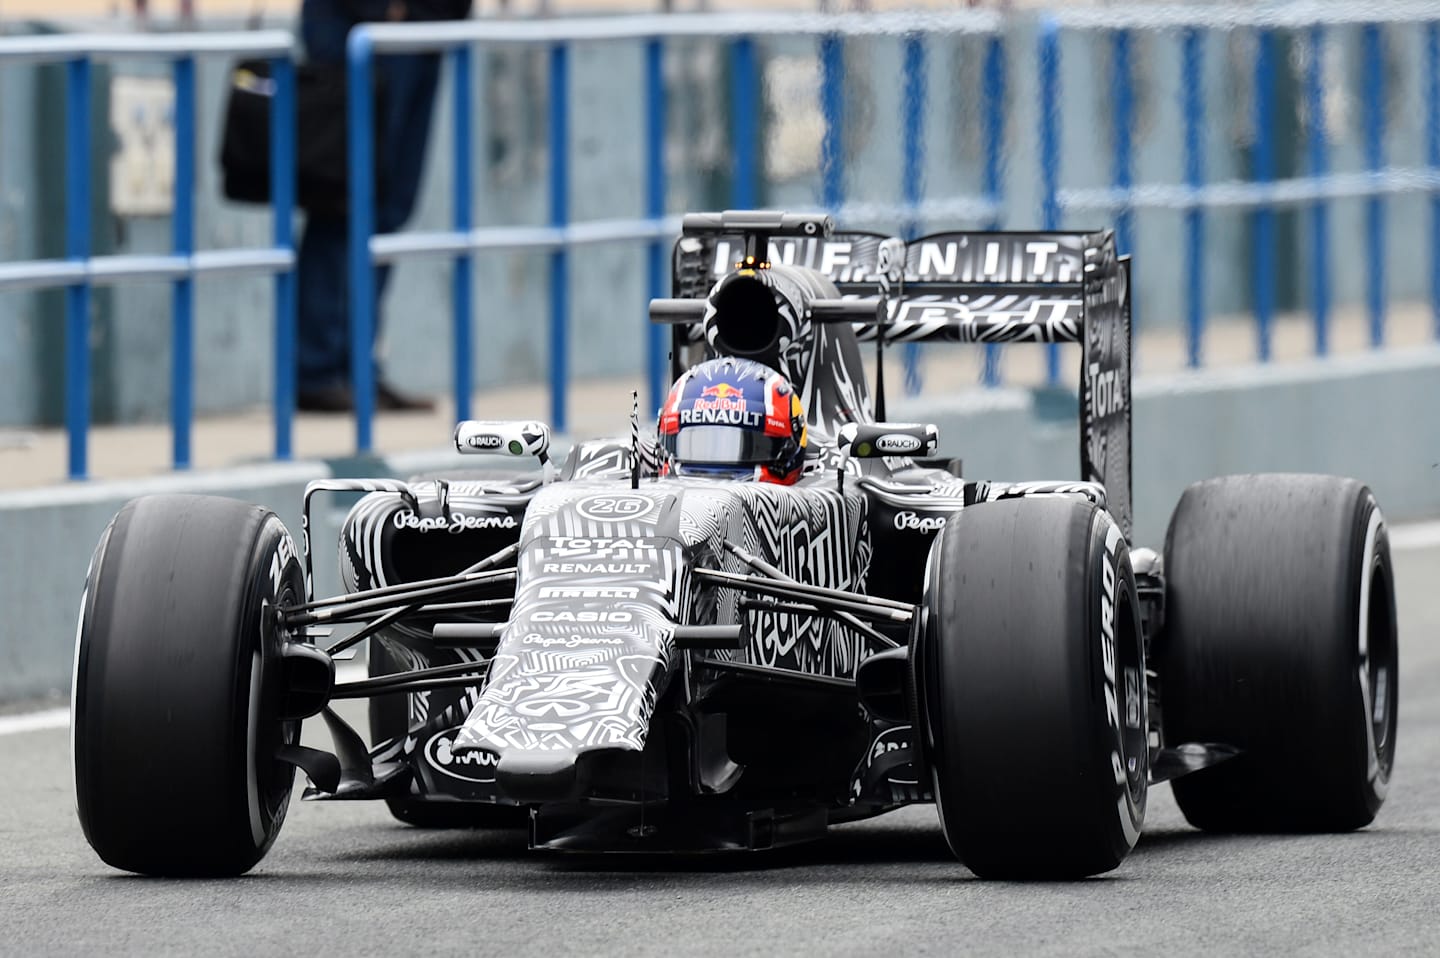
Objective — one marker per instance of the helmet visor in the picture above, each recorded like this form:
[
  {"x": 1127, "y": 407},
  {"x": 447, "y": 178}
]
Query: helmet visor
[{"x": 726, "y": 446}]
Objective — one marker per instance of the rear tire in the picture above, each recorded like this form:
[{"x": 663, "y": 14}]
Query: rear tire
[
  {"x": 1280, "y": 638},
  {"x": 176, "y": 708},
  {"x": 1030, "y": 680}
]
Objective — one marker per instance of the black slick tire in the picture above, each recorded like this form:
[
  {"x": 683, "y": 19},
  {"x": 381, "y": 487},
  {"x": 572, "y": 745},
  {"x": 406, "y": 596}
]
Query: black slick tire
[
  {"x": 1280, "y": 638},
  {"x": 176, "y": 697},
  {"x": 1030, "y": 674}
]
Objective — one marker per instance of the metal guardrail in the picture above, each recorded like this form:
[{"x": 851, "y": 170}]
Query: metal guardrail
[
  {"x": 457, "y": 39},
  {"x": 1264, "y": 194},
  {"x": 1193, "y": 196},
  {"x": 80, "y": 272}
]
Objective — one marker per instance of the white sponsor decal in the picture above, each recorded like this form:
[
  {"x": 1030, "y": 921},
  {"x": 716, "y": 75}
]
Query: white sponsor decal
[
  {"x": 484, "y": 441},
  {"x": 573, "y": 592},
  {"x": 898, "y": 443},
  {"x": 612, "y": 508},
  {"x": 571, "y": 547},
  {"x": 569, "y": 641},
  {"x": 594, "y": 568},
  {"x": 456, "y": 523},
  {"x": 1107, "y": 647},
  {"x": 1107, "y": 393},
  {"x": 471, "y": 766},
  {"x": 909, "y": 520},
  {"x": 583, "y": 615},
  {"x": 891, "y": 741},
  {"x": 730, "y": 417},
  {"x": 284, "y": 555}
]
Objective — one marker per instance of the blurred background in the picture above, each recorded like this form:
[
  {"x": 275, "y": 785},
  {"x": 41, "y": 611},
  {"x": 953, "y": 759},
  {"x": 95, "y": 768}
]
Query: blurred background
[{"x": 1272, "y": 167}]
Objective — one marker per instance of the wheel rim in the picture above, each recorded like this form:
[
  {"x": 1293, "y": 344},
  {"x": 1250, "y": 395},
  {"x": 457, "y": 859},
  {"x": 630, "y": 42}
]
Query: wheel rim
[
  {"x": 1134, "y": 694},
  {"x": 269, "y": 781},
  {"x": 1378, "y": 658}
]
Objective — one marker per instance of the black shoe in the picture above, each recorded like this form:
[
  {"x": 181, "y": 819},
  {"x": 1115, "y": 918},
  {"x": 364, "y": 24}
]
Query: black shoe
[
  {"x": 329, "y": 399},
  {"x": 388, "y": 399}
]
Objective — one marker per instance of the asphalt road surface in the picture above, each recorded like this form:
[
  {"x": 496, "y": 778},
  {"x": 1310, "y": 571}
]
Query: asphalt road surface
[{"x": 345, "y": 879}]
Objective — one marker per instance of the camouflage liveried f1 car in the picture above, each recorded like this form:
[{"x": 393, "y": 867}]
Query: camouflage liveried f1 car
[{"x": 624, "y": 660}]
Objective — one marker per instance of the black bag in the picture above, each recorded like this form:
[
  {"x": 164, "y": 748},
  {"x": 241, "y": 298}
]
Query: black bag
[{"x": 321, "y": 166}]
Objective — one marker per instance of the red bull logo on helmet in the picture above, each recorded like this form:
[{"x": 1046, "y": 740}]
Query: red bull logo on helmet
[
  {"x": 707, "y": 414},
  {"x": 723, "y": 391},
  {"x": 721, "y": 397}
]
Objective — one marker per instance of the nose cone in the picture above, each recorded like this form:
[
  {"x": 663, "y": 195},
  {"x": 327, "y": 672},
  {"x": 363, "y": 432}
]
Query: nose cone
[{"x": 587, "y": 650}]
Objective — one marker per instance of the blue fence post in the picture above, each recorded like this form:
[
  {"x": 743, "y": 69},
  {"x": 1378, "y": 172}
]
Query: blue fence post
[
  {"x": 559, "y": 218},
  {"x": 361, "y": 129},
  {"x": 77, "y": 247},
  {"x": 461, "y": 211},
  {"x": 1050, "y": 153},
  {"x": 1122, "y": 94},
  {"x": 745, "y": 107},
  {"x": 282, "y": 201},
  {"x": 992, "y": 184},
  {"x": 655, "y": 110},
  {"x": 1318, "y": 151},
  {"x": 1432, "y": 130},
  {"x": 182, "y": 230},
  {"x": 1193, "y": 95},
  {"x": 1374, "y": 86},
  {"x": 832, "y": 107},
  {"x": 913, "y": 176},
  {"x": 1264, "y": 161}
]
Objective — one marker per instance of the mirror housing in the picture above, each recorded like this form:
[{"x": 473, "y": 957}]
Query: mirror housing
[
  {"x": 874, "y": 440},
  {"x": 476, "y": 437}
]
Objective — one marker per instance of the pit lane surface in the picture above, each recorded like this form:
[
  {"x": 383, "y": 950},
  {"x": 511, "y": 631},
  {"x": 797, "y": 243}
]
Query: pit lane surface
[{"x": 346, "y": 879}]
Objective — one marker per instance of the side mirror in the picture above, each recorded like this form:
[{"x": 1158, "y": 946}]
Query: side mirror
[
  {"x": 474, "y": 437},
  {"x": 873, "y": 440}
]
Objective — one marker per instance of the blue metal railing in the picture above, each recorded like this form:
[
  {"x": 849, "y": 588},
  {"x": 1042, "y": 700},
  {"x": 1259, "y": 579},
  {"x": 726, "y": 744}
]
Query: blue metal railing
[
  {"x": 1192, "y": 194},
  {"x": 561, "y": 235},
  {"x": 1264, "y": 193},
  {"x": 80, "y": 272}
]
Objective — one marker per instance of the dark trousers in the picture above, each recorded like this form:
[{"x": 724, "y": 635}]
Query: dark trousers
[{"x": 322, "y": 266}]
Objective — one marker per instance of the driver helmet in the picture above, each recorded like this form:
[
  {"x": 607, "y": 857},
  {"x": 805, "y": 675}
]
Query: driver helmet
[{"x": 735, "y": 419}]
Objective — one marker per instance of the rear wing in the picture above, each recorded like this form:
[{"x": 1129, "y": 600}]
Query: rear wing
[{"x": 965, "y": 287}]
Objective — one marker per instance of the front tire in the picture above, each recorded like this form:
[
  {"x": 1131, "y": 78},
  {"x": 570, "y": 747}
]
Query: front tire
[
  {"x": 176, "y": 708},
  {"x": 1280, "y": 638},
  {"x": 1031, "y": 681}
]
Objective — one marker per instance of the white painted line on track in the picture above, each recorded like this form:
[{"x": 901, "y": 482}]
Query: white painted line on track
[
  {"x": 1415, "y": 535},
  {"x": 34, "y": 721}
]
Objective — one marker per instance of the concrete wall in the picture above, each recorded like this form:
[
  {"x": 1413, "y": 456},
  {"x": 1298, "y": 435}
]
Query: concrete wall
[
  {"x": 1371, "y": 417},
  {"x": 47, "y": 536}
]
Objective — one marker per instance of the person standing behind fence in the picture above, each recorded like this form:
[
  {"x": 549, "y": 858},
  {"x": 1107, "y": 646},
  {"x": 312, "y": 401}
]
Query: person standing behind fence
[{"x": 407, "y": 83}]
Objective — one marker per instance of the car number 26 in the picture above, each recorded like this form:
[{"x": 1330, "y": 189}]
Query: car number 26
[{"x": 612, "y": 508}]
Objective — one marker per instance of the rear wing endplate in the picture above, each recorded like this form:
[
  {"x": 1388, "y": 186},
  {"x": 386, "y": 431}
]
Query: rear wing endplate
[{"x": 971, "y": 287}]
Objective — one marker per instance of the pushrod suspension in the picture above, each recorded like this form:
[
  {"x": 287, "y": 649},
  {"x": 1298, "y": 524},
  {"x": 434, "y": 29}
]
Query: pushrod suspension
[
  {"x": 375, "y": 625},
  {"x": 392, "y": 597},
  {"x": 403, "y": 588},
  {"x": 881, "y": 610},
  {"x": 760, "y": 565},
  {"x": 459, "y": 673},
  {"x": 361, "y": 690}
]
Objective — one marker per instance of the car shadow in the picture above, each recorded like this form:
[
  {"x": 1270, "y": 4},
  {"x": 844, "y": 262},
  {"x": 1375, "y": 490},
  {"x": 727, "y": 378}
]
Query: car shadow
[{"x": 911, "y": 855}]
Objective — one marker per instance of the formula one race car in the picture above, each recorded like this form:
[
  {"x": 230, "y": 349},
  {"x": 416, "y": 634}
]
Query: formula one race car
[{"x": 775, "y": 613}]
